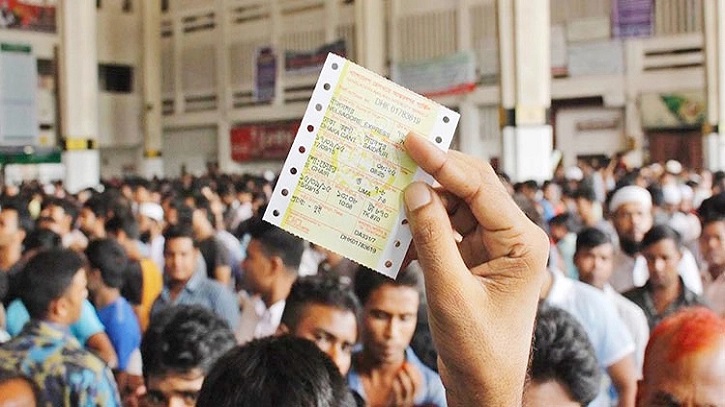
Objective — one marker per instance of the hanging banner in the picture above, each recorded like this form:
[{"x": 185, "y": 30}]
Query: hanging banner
[
  {"x": 632, "y": 18},
  {"x": 673, "y": 110},
  {"x": 262, "y": 141},
  {"x": 448, "y": 75},
  {"x": 265, "y": 74},
  {"x": 302, "y": 63},
  {"x": 32, "y": 15},
  {"x": 18, "y": 88}
]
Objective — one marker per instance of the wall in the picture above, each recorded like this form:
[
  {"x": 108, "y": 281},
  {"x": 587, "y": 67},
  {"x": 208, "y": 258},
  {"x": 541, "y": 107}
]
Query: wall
[{"x": 193, "y": 147}]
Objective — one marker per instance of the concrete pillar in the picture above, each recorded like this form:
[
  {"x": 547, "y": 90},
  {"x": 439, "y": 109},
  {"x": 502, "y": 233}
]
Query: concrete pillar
[
  {"x": 524, "y": 32},
  {"x": 713, "y": 132},
  {"x": 370, "y": 35},
  {"x": 78, "y": 85},
  {"x": 153, "y": 164}
]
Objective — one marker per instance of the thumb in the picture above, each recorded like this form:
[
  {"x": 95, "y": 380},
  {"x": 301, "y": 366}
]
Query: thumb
[{"x": 433, "y": 237}]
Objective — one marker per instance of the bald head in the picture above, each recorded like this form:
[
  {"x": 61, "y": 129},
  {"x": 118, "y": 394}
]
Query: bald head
[{"x": 684, "y": 362}]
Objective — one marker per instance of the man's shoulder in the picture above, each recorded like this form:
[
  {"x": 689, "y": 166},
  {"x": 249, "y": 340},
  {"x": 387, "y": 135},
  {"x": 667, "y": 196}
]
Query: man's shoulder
[{"x": 635, "y": 294}]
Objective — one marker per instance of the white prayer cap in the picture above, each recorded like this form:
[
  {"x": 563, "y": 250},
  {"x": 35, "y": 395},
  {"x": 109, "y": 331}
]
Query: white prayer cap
[
  {"x": 630, "y": 194},
  {"x": 573, "y": 173},
  {"x": 151, "y": 210},
  {"x": 673, "y": 167},
  {"x": 687, "y": 193},
  {"x": 671, "y": 194}
]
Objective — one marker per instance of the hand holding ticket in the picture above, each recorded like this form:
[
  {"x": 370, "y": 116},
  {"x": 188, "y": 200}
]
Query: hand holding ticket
[{"x": 341, "y": 186}]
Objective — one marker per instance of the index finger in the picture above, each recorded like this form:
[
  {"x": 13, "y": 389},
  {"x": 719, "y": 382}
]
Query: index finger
[{"x": 470, "y": 180}]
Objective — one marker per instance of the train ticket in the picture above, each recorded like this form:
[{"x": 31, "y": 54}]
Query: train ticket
[{"x": 342, "y": 183}]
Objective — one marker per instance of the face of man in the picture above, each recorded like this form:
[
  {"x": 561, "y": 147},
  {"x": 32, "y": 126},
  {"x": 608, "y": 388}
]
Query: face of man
[
  {"x": 60, "y": 220},
  {"x": 389, "y": 319},
  {"x": 74, "y": 296},
  {"x": 9, "y": 228},
  {"x": 595, "y": 264},
  {"x": 712, "y": 244},
  {"x": 697, "y": 379},
  {"x": 632, "y": 220},
  {"x": 180, "y": 258},
  {"x": 662, "y": 260},
  {"x": 332, "y": 329},
  {"x": 87, "y": 221},
  {"x": 257, "y": 268},
  {"x": 173, "y": 390}
]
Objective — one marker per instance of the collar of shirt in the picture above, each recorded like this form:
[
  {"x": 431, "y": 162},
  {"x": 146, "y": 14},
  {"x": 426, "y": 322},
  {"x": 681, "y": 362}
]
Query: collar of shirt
[
  {"x": 191, "y": 286},
  {"x": 47, "y": 329},
  {"x": 268, "y": 319},
  {"x": 560, "y": 287}
]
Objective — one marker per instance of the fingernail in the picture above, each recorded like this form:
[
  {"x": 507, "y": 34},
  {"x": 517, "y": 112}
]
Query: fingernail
[{"x": 416, "y": 196}]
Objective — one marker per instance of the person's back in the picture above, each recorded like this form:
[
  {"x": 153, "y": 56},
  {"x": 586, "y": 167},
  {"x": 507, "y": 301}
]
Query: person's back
[{"x": 66, "y": 373}]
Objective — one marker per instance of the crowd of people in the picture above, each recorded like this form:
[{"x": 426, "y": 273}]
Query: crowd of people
[{"x": 601, "y": 287}]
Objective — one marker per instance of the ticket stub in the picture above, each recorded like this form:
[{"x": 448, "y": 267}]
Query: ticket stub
[{"x": 342, "y": 184}]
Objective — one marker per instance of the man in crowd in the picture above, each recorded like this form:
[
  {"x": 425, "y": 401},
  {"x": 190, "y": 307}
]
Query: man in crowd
[
  {"x": 108, "y": 261},
  {"x": 15, "y": 224},
  {"x": 593, "y": 259},
  {"x": 92, "y": 217},
  {"x": 386, "y": 371},
  {"x": 712, "y": 247},
  {"x": 324, "y": 311},
  {"x": 150, "y": 219},
  {"x": 185, "y": 284},
  {"x": 179, "y": 349},
  {"x": 59, "y": 215},
  {"x": 216, "y": 255},
  {"x": 66, "y": 373},
  {"x": 684, "y": 364},
  {"x": 270, "y": 269},
  {"x": 631, "y": 212},
  {"x": 564, "y": 370},
  {"x": 275, "y": 371},
  {"x": 664, "y": 292}
]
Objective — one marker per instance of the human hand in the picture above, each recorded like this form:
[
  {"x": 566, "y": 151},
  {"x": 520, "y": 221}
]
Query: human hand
[
  {"x": 483, "y": 289},
  {"x": 406, "y": 386}
]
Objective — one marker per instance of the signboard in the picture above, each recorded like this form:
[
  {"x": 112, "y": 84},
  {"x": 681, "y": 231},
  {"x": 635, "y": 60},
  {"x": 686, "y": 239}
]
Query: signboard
[
  {"x": 262, "y": 141},
  {"x": 33, "y": 15},
  {"x": 448, "y": 75},
  {"x": 18, "y": 87},
  {"x": 265, "y": 74},
  {"x": 673, "y": 110},
  {"x": 311, "y": 62},
  {"x": 632, "y": 18}
]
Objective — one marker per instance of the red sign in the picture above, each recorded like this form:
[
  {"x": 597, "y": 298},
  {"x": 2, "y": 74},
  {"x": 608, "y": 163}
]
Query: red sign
[
  {"x": 263, "y": 141},
  {"x": 34, "y": 15}
]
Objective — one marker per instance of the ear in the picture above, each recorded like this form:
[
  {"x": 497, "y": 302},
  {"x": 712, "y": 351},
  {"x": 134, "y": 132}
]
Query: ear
[
  {"x": 58, "y": 309},
  {"x": 277, "y": 264}
]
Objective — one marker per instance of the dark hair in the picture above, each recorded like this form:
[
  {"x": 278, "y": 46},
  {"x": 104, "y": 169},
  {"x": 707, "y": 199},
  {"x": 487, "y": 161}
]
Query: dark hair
[
  {"x": 282, "y": 371},
  {"x": 657, "y": 194},
  {"x": 125, "y": 223},
  {"x": 368, "y": 280},
  {"x": 658, "y": 233},
  {"x": 564, "y": 219},
  {"x": 184, "y": 212},
  {"x": 317, "y": 290},
  {"x": 42, "y": 239},
  {"x": 183, "y": 338},
  {"x": 25, "y": 222},
  {"x": 202, "y": 203},
  {"x": 108, "y": 256},
  {"x": 46, "y": 278},
  {"x": 180, "y": 231},
  {"x": 278, "y": 242},
  {"x": 98, "y": 205},
  {"x": 589, "y": 238},
  {"x": 562, "y": 352},
  {"x": 585, "y": 192},
  {"x": 712, "y": 207}
]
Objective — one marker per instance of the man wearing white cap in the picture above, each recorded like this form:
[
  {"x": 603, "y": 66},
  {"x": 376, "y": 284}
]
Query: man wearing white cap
[
  {"x": 631, "y": 213},
  {"x": 151, "y": 225}
]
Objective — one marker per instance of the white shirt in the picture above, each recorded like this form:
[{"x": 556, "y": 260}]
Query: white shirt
[
  {"x": 714, "y": 292},
  {"x": 156, "y": 251},
  {"x": 632, "y": 272},
  {"x": 257, "y": 321},
  {"x": 634, "y": 319}
]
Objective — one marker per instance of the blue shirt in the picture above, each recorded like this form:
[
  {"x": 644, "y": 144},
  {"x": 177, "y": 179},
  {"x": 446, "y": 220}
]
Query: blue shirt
[
  {"x": 87, "y": 325},
  {"x": 122, "y": 328},
  {"x": 200, "y": 290},
  {"x": 66, "y": 373},
  {"x": 433, "y": 391}
]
